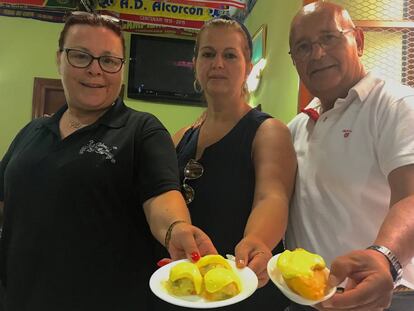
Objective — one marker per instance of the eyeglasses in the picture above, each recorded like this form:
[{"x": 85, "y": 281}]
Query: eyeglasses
[
  {"x": 192, "y": 170},
  {"x": 81, "y": 59},
  {"x": 326, "y": 41}
]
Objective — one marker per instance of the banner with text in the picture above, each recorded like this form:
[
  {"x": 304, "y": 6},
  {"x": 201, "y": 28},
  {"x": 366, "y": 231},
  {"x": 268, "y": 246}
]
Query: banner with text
[
  {"x": 160, "y": 12},
  {"x": 153, "y": 12},
  {"x": 240, "y": 4},
  {"x": 133, "y": 27}
]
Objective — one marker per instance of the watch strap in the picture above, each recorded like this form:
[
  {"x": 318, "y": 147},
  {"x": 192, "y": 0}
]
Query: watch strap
[{"x": 395, "y": 265}]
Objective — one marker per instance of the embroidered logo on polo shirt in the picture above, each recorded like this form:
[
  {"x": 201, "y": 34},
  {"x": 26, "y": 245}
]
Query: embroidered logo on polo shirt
[
  {"x": 99, "y": 148},
  {"x": 346, "y": 132}
]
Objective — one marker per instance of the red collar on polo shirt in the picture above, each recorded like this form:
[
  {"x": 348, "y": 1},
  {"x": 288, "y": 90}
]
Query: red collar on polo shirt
[{"x": 312, "y": 113}]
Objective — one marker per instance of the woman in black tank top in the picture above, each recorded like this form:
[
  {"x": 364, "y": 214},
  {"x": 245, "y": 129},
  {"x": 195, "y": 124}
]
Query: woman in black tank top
[{"x": 242, "y": 162}]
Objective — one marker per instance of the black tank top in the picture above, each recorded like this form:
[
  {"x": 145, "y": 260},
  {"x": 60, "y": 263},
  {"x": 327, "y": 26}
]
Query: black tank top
[
  {"x": 224, "y": 193},
  {"x": 224, "y": 196}
]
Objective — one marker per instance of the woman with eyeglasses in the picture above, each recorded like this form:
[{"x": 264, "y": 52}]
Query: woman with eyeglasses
[
  {"x": 84, "y": 189},
  {"x": 238, "y": 166}
]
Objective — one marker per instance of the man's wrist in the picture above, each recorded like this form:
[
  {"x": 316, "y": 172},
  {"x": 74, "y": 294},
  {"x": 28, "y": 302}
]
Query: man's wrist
[{"x": 395, "y": 265}]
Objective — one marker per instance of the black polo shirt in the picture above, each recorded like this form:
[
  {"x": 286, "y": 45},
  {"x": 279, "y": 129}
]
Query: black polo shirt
[{"x": 75, "y": 235}]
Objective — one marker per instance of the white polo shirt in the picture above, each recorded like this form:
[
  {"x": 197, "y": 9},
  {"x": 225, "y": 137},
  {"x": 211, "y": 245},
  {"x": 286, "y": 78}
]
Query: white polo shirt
[{"x": 342, "y": 193}]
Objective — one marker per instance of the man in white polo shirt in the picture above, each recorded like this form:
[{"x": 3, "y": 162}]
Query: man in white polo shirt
[{"x": 354, "y": 195}]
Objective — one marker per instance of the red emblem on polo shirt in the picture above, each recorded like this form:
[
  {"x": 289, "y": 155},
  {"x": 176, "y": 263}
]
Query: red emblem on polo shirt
[{"x": 346, "y": 132}]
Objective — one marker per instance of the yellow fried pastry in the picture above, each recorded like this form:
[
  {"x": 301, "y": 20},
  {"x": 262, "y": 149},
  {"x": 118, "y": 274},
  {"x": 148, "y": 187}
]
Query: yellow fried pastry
[
  {"x": 304, "y": 273},
  {"x": 185, "y": 279},
  {"x": 221, "y": 283},
  {"x": 209, "y": 262}
]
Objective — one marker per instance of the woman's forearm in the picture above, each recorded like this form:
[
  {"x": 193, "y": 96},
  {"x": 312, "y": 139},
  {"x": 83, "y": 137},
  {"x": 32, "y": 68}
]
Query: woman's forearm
[{"x": 161, "y": 211}]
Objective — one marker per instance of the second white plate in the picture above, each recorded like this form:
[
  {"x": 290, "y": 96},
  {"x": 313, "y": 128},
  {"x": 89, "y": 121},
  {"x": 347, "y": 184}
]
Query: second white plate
[{"x": 276, "y": 277}]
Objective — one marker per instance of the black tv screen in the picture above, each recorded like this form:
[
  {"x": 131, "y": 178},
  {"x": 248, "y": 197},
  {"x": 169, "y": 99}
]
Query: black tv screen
[{"x": 161, "y": 69}]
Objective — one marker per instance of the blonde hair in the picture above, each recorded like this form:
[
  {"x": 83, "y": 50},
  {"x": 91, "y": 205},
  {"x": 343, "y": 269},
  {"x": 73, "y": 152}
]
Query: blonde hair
[{"x": 228, "y": 22}]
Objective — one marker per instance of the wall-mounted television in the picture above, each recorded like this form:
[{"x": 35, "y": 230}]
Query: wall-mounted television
[{"x": 161, "y": 70}]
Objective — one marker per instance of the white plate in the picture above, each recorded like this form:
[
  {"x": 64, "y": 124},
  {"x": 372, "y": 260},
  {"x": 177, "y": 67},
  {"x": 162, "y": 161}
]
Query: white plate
[
  {"x": 276, "y": 276},
  {"x": 247, "y": 277}
]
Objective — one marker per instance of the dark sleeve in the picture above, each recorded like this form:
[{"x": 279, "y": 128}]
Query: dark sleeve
[
  {"x": 3, "y": 165},
  {"x": 5, "y": 161},
  {"x": 157, "y": 161}
]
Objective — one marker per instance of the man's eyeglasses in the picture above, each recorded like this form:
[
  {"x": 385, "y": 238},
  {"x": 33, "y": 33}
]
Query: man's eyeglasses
[
  {"x": 192, "y": 170},
  {"x": 329, "y": 40},
  {"x": 81, "y": 59}
]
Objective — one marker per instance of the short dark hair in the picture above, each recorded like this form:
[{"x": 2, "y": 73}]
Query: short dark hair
[{"x": 91, "y": 19}]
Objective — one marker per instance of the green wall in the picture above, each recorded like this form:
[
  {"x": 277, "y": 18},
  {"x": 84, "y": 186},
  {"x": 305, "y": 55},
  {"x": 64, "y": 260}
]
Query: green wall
[
  {"x": 28, "y": 50},
  {"x": 278, "y": 90}
]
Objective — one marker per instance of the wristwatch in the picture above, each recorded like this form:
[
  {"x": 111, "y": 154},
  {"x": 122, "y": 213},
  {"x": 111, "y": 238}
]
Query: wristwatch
[{"x": 395, "y": 266}]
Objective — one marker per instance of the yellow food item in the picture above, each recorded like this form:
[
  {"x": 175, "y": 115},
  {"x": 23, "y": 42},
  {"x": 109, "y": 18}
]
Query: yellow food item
[
  {"x": 221, "y": 283},
  {"x": 185, "y": 279},
  {"x": 209, "y": 262},
  {"x": 304, "y": 273}
]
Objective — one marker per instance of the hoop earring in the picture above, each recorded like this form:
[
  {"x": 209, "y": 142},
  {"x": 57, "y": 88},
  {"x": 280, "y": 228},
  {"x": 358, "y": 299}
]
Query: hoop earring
[
  {"x": 197, "y": 87},
  {"x": 244, "y": 89}
]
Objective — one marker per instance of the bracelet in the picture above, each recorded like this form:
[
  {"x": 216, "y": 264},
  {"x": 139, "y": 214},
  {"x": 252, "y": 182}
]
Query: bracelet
[{"x": 169, "y": 230}]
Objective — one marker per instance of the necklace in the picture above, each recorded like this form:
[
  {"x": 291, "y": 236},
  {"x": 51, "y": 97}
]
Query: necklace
[{"x": 73, "y": 123}]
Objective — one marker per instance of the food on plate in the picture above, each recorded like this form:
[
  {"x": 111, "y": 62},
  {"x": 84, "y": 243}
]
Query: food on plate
[
  {"x": 212, "y": 278},
  {"x": 209, "y": 262},
  {"x": 304, "y": 273},
  {"x": 185, "y": 279},
  {"x": 221, "y": 283}
]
